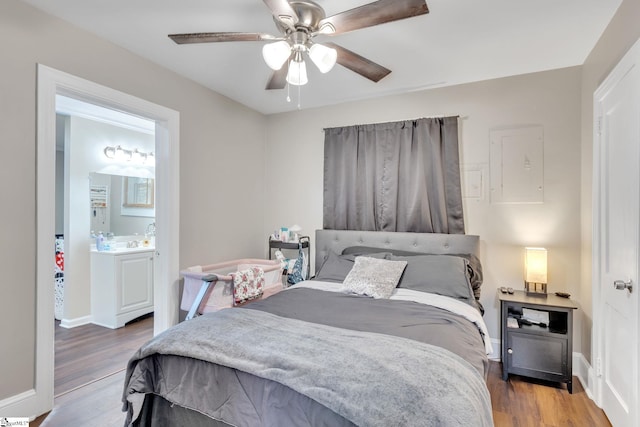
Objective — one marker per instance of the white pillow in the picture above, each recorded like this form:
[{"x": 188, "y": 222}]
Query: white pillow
[{"x": 373, "y": 277}]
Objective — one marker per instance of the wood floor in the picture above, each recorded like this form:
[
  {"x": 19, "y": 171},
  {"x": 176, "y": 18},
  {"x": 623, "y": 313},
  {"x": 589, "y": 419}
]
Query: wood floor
[
  {"x": 89, "y": 352},
  {"x": 89, "y": 373},
  {"x": 524, "y": 402},
  {"x": 519, "y": 402}
]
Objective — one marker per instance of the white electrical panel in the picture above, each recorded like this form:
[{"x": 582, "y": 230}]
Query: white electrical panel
[
  {"x": 473, "y": 181},
  {"x": 517, "y": 165}
]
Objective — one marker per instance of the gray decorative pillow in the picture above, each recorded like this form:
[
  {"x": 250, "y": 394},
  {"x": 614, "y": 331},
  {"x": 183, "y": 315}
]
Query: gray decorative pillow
[
  {"x": 336, "y": 267},
  {"x": 373, "y": 277},
  {"x": 439, "y": 274}
]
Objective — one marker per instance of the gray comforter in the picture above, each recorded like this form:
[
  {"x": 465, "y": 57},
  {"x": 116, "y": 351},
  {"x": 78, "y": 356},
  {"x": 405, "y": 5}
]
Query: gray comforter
[{"x": 250, "y": 367}]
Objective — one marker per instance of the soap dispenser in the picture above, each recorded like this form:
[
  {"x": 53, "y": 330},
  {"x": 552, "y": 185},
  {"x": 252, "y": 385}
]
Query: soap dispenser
[{"x": 100, "y": 241}]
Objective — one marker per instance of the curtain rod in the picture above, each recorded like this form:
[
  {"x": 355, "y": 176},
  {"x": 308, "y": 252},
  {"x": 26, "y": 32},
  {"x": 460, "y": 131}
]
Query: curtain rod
[{"x": 397, "y": 121}]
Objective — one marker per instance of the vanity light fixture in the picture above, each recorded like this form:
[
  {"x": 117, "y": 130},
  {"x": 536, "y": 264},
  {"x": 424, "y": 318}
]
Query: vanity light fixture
[
  {"x": 110, "y": 152},
  {"x": 123, "y": 155},
  {"x": 138, "y": 156}
]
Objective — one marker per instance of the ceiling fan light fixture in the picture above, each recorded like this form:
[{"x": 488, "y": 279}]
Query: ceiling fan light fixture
[
  {"x": 297, "y": 74},
  {"x": 276, "y": 54},
  {"x": 324, "y": 57}
]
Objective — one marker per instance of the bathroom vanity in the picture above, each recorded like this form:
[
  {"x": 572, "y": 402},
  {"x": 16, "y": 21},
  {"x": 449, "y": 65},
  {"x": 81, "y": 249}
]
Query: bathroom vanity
[{"x": 121, "y": 285}]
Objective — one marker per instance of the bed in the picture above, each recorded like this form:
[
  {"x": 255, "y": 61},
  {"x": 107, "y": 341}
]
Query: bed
[{"x": 408, "y": 350}]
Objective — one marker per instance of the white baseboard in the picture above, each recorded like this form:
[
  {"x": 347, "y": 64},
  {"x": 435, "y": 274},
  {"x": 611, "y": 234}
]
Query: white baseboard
[
  {"x": 585, "y": 373},
  {"x": 74, "y": 323},
  {"x": 497, "y": 345},
  {"x": 18, "y": 405}
]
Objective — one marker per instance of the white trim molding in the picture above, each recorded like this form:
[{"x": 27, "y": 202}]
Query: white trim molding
[
  {"x": 18, "y": 404},
  {"x": 74, "y": 323},
  {"x": 585, "y": 373},
  {"x": 497, "y": 350}
]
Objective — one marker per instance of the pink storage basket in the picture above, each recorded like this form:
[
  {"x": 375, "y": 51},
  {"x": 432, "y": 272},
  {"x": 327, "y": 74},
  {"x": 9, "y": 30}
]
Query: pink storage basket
[{"x": 221, "y": 294}]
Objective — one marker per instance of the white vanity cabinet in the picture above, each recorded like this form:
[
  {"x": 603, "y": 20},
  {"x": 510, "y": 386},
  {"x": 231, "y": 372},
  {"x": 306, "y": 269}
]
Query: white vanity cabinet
[{"x": 121, "y": 286}]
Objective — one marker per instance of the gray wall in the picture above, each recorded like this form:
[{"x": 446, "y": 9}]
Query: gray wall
[
  {"x": 213, "y": 130},
  {"x": 621, "y": 33},
  {"x": 550, "y": 99}
]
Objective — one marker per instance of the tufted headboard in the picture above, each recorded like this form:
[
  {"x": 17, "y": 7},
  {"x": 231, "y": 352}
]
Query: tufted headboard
[{"x": 431, "y": 243}]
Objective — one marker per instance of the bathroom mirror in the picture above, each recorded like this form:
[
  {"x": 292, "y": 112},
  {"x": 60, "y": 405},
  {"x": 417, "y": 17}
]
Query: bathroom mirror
[
  {"x": 111, "y": 215},
  {"x": 138, "y": 192}
]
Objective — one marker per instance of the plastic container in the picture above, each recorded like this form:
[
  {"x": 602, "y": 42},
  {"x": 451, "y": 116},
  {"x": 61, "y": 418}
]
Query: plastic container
[{"x": 100, "y": 242}]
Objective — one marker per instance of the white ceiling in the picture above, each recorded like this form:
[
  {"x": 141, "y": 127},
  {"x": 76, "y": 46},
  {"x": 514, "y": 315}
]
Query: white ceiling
[{"x": 459, "y": 41}]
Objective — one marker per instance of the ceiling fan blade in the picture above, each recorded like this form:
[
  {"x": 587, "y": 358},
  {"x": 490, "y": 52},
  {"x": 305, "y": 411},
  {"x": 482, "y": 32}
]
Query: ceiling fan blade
[
  {"x": 359, "y": 64},
  {"x": 278, "y": 79},
  {"x": 372, "y": 14},
  {"x": 221, "y": 37},
  {"x": 283, "y": 12}
]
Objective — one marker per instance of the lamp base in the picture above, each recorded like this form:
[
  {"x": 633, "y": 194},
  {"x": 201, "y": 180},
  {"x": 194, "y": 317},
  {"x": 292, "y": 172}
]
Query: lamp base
[{"x": 535, "y": 289}]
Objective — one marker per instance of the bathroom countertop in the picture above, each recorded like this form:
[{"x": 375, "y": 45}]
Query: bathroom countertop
[{"x": 124, "y": 251}]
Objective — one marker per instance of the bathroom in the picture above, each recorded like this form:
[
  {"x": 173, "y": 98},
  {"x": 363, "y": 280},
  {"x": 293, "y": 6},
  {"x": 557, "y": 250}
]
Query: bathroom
[{"x": 104, "y": 183}]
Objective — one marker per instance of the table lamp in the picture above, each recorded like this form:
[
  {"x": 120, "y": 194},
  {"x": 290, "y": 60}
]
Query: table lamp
[{"x": 535, "y": 271}]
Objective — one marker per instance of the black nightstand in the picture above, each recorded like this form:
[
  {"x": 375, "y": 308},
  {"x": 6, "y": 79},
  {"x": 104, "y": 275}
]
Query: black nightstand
[{"x": 532, "y": 350}]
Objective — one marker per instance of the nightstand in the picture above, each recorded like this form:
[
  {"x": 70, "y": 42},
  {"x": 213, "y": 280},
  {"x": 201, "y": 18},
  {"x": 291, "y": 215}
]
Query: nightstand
[
  {"x": 304, "y": 241},
  {"x": 531, "y": 350}
]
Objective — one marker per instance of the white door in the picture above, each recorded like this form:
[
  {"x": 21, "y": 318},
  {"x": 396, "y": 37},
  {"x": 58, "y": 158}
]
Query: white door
[{"x": 616, "y": 241}]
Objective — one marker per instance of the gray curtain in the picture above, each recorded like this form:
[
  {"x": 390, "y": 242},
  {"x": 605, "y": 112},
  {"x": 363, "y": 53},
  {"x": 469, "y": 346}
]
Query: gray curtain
[{"x": 401, "y": 176}]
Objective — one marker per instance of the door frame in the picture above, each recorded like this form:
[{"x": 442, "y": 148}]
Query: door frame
[
  {"x": 52, "y": 82},
  {"x": 630, "y": 60}
]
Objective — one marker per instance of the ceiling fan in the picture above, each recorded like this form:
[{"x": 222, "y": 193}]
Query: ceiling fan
[{"x": 299, "y": 21}]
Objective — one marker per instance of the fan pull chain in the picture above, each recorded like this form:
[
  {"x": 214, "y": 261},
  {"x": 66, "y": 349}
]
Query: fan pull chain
[
  {"x": 288, "y": 97},
  {"x": 299, "y": 96}
]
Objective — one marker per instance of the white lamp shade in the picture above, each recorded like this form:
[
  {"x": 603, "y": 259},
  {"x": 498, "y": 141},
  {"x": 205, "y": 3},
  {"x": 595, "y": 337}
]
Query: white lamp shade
[
  {"x": 297, "y": 74},
  {"x": 150, "y": 160},
  {"x": 535, "y": 265},
  {"x": 276, "y": 54},
  {"x": 324, "y": 57},
  {"x": 122, "y": 155}
]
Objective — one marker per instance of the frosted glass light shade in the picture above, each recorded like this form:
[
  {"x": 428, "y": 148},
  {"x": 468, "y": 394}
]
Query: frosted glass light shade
[
  {"x": 535, "y": 265},
  {"x": 297, "y": 74},
  {"x": 276, "y": 54},
  {"x": 122, "y": 155},
  {"x": 324, "y": 57}
]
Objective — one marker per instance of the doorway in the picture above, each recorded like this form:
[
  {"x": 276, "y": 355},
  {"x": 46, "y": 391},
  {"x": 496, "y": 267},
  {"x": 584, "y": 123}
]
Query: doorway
[{"x": 51, "y": 83}]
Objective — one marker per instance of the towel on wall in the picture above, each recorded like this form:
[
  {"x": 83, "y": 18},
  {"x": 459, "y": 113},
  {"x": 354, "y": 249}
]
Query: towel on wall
[{"x": 247, "y": 284}]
